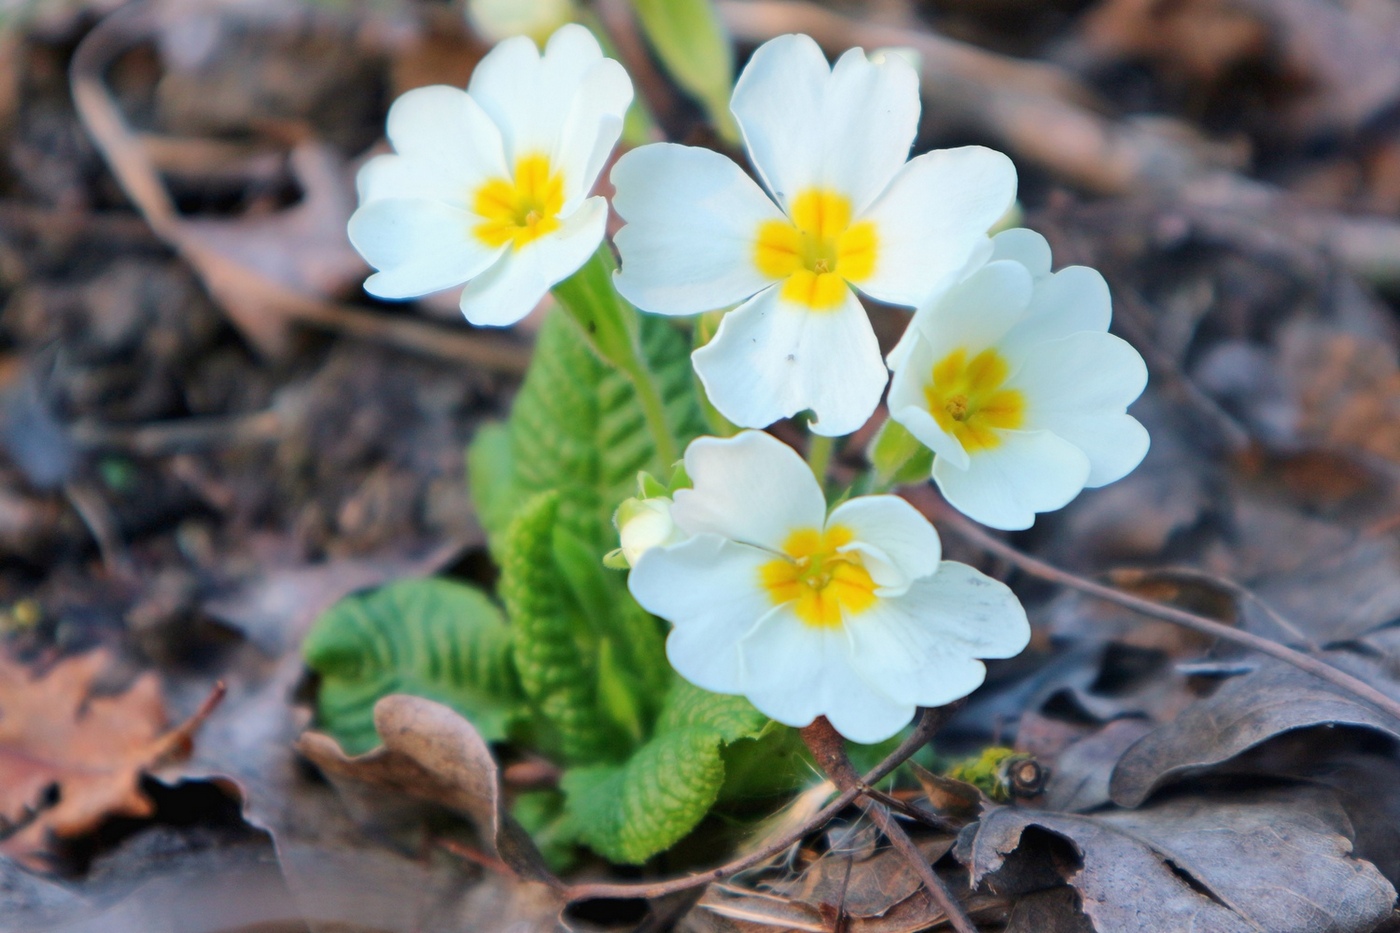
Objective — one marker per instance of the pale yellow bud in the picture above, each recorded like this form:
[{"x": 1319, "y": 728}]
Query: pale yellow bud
[
  {"x": 643, "y": 524},
  {"x": 496, "y": 20}
]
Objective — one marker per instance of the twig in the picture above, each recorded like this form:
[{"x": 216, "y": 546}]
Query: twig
[
  {"x": 829, "y": 749},
  {"x": 947, "y": 516},
  {"x": 929, "y": 723},
  {"x": 1128, "y": 577}
]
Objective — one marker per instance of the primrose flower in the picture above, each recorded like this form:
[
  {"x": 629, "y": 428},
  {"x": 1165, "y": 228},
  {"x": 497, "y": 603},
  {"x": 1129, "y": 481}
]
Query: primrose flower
[
  {"x": 1011, "y": 377},
  {"x": 852, "y": 616},
  {"x": 489, "y": 186},
  {"x": 846, "y": 212}
]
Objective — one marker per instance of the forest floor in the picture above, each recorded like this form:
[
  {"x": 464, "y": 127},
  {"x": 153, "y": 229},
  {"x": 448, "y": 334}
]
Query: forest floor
[{"x": 209, "y": 434}]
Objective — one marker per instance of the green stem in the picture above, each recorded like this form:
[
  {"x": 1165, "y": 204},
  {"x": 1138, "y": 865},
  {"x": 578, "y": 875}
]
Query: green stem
[
  {"x": 819, "y": 450},
  {"x": 610, "y": 324},
  {"x": 654, "y": 410}
]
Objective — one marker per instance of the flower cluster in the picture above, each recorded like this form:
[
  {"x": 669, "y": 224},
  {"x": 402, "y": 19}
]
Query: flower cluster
[{"x": 1006, "y": 372}]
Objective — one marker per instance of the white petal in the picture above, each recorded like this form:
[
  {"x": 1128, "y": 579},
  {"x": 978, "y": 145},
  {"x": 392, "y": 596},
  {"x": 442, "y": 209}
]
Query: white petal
[
  {"x": 933, "y": 218},
  {"x": 807, "y": 125},
  {"x": 1114, "y": 442},
  {"x": 444, "y": 132},
  {"x": 771, "y": 359},
  {"x": 1029, "y": 472},
  {"x": 794, "y": 672},
  {"x": 1084, "y": 372},
  {"x": 922, "y": 647},
  {"x": 751, "y": 488},
  {"x": 977, "y": 312},
  {"x": 504, "y": 83},
  {"x": 1025, "y": 246},
  {"x": 519, "y": 280},
  {"x": 903, "y": 536},
  {"x": 710, "y": 590},
  {"x": 418, "y": 246},
  {"x": 909, "y": 406},
  {"x": 592, "y": 127},
  {"x": 567, "y": 104},
  {"x": 1071, "y": 301},
  {"x": 692, "y": 219}
]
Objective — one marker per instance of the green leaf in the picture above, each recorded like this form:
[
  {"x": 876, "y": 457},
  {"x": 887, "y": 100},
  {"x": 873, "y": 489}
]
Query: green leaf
[
  {"x": 576, "y": 427},
  {"x": 629, "y": 812},
  {"x": 690, "y": 40},
  {"x": 489, "y": 475},
  {"x": 431, "y": 638},
  {"x": 555, "y": 640}
]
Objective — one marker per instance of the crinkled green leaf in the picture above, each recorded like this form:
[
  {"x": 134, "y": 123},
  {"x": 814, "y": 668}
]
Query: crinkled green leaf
[
  {"x": 434, "y": 638},
  {"x": 629, "y": 812},
  {"x": 555, "y": 639},
  {"x": 690, "y": 39},
  {"x": 576, "y": 427}
]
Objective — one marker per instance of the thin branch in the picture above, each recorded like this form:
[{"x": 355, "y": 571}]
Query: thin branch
[
  {"x": 948, "y": 517},
  {"x": 829, "y": 749},
  {"x": 929, "y": 723}
]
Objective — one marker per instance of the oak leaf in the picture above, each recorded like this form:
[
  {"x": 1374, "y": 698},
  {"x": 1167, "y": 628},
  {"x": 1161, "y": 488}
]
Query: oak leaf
[{"x": 70, "y": 759}]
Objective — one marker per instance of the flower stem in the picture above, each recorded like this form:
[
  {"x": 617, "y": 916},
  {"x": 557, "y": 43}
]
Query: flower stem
[
  {"x": 610, "y": 324},
  {"x": 829, "y": 750},
  {"x": 819, "y": 450}
]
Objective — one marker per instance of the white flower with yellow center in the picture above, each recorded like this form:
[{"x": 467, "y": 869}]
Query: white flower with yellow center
[
  {"x": 847, "y": 213},
  {"x": 1011, "y": 377},
  {"x": 852, "y": 616},
  {"x": 489, "y": 186}
]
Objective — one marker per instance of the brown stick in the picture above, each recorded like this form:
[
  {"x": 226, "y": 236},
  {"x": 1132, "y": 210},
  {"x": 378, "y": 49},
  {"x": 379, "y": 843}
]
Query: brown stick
[
  {"x": 929, "y": 723},
  {"x": 829, "y": 748},
  {"x": 947, "y": 516}
]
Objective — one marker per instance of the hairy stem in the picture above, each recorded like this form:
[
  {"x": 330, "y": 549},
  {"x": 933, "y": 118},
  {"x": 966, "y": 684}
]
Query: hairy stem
[
  {"x": 829, "y": 750},
  {"x": 819, "y": 450}
]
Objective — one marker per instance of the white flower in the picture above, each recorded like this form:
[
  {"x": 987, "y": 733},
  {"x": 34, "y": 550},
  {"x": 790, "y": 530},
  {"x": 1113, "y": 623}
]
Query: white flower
[
  {"x": 643, "y": 524},
  {"x": 489, "y": 186},
  {"x": 852, "y": 616},
  {"x": 847, "y": 211},
  {"x": 1011, "y": 377}
]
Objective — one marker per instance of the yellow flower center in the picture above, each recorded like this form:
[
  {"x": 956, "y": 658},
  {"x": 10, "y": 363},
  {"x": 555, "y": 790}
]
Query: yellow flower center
[
  {"x": 967, "y": 400},
  {"x": 521, "y": 209},
  {"x": 817, "y": 251},
  {"x": 820, "y": 583}
]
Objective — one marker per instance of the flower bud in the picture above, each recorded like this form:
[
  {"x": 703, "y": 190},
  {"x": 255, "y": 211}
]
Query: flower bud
[
  {"x": 497, "y": 20},
  {"x": 643, "y": 524}
]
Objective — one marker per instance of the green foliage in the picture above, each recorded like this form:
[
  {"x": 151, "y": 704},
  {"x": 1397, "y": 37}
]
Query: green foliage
[
  {"x": 576, "y": 427},
  {"x": 554, "y": 639},
  {"x": 689, "y": 37},
  {"x": 632, "y": 811},
  {"x": 432, "y": 638}
]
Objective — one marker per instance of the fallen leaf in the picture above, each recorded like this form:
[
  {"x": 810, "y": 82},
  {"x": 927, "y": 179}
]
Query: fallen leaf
[
  {"x": 94, "y": 750},
  {"x": 431, "y": 752},
  {"x": 862, "y": 887},
  {"x": 1079, "y": 781},
  {"x": 1246, "y": 712},
  {"x": 1277, "y": 860},
  {"x": 1055, "y": 910}
]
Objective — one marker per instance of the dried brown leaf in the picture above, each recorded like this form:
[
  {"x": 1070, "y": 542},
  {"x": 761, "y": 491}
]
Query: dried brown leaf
[
  {"x": 1277, "y": 860},
  {"x": 1246, "y": 712},
  {"x": 54, "y": 733},
  {"x": 431, "y": 752}
]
